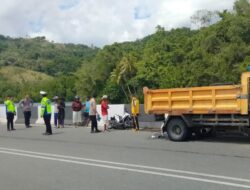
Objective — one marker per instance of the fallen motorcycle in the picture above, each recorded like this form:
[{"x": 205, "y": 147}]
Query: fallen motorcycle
[{"x": 121, "y": 122}]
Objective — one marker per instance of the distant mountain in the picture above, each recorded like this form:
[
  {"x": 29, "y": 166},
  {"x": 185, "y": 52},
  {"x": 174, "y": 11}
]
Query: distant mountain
[{"x": 38, "y": 54}]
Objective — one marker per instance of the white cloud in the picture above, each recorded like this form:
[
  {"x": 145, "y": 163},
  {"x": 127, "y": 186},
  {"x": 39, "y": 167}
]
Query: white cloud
[{"x": 98, "y": 22}]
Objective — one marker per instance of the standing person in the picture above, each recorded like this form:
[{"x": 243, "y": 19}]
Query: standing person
[
  {"x": 135, "y": 110},
  {"x": 76, "y": 107},
  {"x": 55, "y": 99},
  {"x": 104, "y": 109},
  {"x": 61, "y": 112},
  {"x": 93, "y": 115},
  {"x": 45, "y": 112},
  {"x": 10, "y": 112},
  {"x": 86, "y": 112},
  {"x": 26, "y": 105}
]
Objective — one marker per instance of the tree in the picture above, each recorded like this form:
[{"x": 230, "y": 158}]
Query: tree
[
  {"x": 123, "y": 72},
  {"x": 242, "y": 7},
  {"x": 204, "y": 18}
]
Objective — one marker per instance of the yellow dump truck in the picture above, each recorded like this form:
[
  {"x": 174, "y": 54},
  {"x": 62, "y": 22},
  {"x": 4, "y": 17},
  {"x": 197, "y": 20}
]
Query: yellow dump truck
[{"x": 201, "y": 110}]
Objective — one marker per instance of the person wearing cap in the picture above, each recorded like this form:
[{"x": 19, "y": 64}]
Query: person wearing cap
[
  {"x": 26, "y": 105},
  {"x": 45, "y": 112},
  {"x": 77, "y": 114},
  {"x": 55, "y": 99},
  {"x": 104, "y": 111},
  {"x": 10, "y": 112}
]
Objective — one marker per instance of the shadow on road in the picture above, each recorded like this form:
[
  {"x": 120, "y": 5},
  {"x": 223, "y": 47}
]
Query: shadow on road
[
  {"x": 224, "y": 138},
  {"x": 218, "y": 138},
  {"x": 58, "y": 132}
]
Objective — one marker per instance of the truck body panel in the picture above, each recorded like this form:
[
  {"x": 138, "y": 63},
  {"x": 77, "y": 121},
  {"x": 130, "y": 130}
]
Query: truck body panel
[{"x": 224, "y": 99}]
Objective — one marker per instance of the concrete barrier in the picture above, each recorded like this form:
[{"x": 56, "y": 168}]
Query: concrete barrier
[
  {"x": 40, "y": 120},
  {"x": 144, "y": 119},
  {"x": 114, "y": 109},
  {"x": 2, "y": 114},
  {"x": 68, "y": 114},
  {"x": 20, "y": 116},
  {"x": 3, "y": 118}
]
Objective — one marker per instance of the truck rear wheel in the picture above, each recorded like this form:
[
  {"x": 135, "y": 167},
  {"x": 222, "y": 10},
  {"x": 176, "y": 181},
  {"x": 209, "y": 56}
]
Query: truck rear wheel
[{"x": 177, "y": 130}]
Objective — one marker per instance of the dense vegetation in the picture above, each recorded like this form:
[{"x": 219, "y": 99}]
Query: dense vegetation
[
  {"x": 40, "y": 55},
  {"x": 58, "y": 61},
  {"x": 181, "y": 57}
]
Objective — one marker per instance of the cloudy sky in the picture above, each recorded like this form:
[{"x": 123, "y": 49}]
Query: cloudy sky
[{"x": 98, "y": 22}]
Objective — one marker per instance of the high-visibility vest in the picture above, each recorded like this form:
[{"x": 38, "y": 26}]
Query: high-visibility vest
[
  {"x": 10, "y": 106},
  {"x": 135, "y": 106},
  {"x": 45, "y": 106}
]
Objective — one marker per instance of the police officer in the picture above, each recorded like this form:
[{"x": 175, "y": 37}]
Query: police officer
[
  {"x": 10, "y": 112},
  {"x": 45, "y": 112}
]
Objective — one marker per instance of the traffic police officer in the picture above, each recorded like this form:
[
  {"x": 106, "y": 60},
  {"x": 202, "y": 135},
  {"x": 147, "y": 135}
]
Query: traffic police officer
[
  {"x": 10, "y": 112},
  {"x": 45, "y": 112}
]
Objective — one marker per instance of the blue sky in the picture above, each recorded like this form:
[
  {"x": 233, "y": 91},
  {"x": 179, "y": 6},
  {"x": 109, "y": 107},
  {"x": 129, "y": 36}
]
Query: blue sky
[
  {"x": 141, "y": 12},
  {"x": 68, "y": 4},
  {"x": 98, "y": 22}
]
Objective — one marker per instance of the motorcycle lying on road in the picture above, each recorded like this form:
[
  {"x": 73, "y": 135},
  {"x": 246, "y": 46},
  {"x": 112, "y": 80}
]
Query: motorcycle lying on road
[{"x": 121, "y": 122}]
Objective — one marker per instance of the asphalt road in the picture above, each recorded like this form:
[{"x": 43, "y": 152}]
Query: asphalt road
[{"x": 74, "y": 159}]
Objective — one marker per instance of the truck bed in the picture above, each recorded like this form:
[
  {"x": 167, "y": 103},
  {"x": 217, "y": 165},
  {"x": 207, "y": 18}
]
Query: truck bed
[{"x": 225, "y": 99}]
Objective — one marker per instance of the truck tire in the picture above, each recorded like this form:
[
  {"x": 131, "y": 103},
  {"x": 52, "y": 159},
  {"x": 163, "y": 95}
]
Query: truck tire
[{"x": 177, "y": 130}]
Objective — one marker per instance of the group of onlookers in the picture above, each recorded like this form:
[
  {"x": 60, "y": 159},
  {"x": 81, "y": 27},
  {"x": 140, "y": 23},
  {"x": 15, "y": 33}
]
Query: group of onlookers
[{"x": 83, "y": 113}]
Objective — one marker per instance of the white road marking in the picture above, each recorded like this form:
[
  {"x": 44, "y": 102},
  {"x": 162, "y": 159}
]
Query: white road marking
[
  {"x": 130, "y": 165},
  {"x": 121, "y": 168}
]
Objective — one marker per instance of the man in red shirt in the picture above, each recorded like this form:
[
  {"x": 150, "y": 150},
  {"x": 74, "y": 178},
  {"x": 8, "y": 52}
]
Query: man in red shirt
[{"x": 104, "y": 108}]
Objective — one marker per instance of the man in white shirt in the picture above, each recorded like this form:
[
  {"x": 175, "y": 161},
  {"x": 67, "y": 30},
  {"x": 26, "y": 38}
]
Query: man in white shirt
[{"x": 93, "y": 114}]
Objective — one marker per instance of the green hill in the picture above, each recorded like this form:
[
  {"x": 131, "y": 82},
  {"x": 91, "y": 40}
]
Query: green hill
[
  {"x": 38, "y": 54},
  {"x": 21, "y": 75},
  {"x": 181, "y": 57}
]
